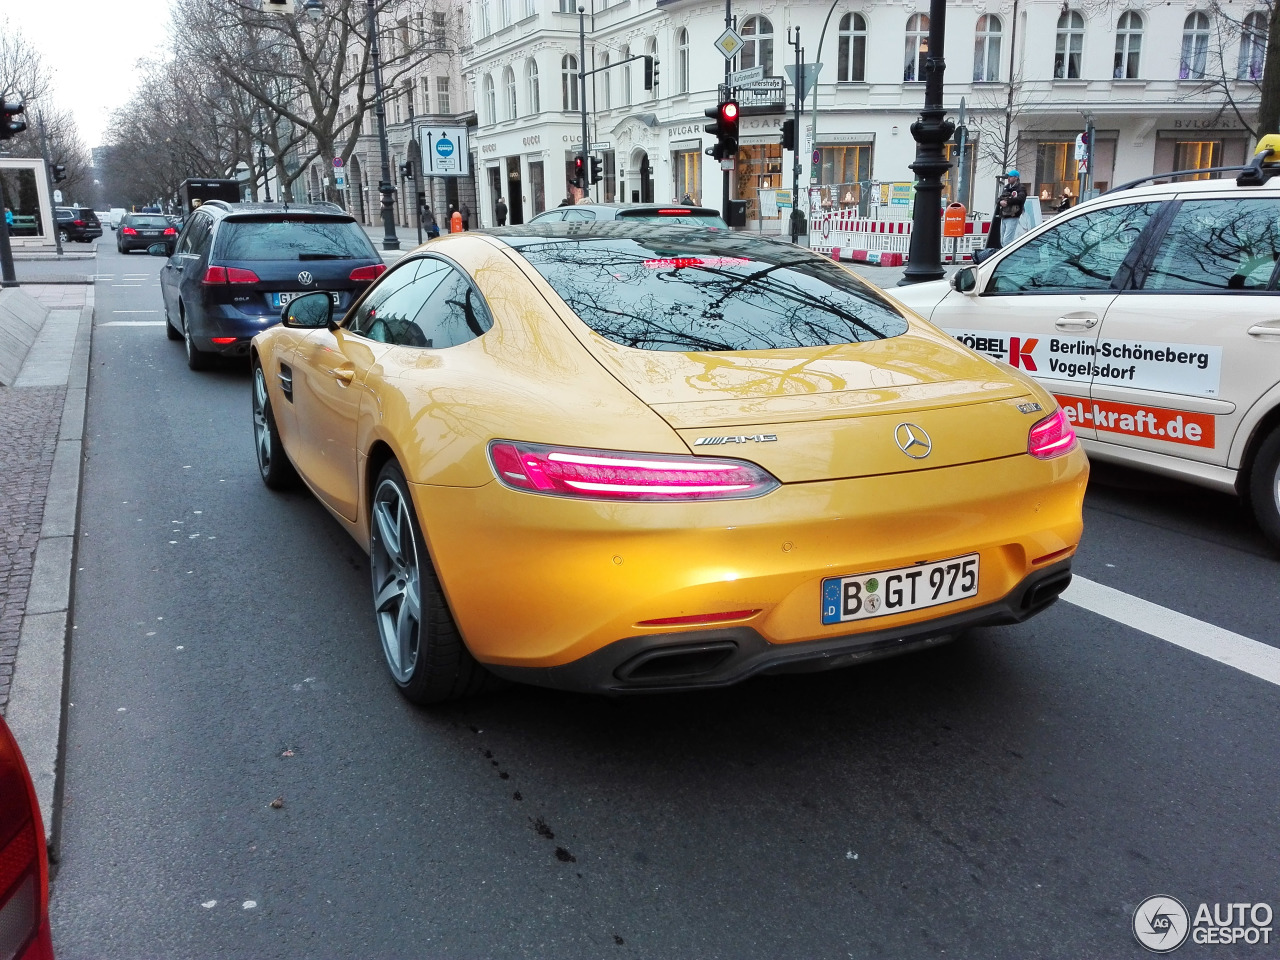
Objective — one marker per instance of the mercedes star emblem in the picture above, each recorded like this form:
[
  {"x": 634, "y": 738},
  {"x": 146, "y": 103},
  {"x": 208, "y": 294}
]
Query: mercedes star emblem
[
  {"x": 913, "y": 441},
  {"x": 305, "y": 277}
]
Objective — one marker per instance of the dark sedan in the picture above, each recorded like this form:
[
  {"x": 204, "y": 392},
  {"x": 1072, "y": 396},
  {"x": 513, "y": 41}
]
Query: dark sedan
[{"x": 138, "y": 231}]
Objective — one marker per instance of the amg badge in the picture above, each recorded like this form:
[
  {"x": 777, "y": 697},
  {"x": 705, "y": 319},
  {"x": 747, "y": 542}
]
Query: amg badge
[{"x": 755, "y": 437}]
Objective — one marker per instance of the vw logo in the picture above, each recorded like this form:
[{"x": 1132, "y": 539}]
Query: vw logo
[
  {"x": 913, "y": 441},
  {"x": 305, "y": 277}
]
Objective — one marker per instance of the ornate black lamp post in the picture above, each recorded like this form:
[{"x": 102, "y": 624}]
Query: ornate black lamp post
[
  {"x": 315, "y": 10},
  {"x": 931, "y": 131}
]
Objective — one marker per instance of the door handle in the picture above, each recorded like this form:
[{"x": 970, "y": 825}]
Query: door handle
[
  {"x": 1265, "y": 331},
  {"x": 1078, "y": 322},
  {"x": 344, "y": 375}
]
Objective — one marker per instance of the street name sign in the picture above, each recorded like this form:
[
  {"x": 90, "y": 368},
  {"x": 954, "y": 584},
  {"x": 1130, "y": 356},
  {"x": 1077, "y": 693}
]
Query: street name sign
[
  {"x": 600, "y": 147},
  {"x": 749, "y": 75}
]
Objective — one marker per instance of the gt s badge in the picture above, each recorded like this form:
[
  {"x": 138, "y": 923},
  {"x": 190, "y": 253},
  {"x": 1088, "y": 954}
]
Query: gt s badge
[
  {"x": 1029, "y": 407},
  {"x": 755, "y": 437}
]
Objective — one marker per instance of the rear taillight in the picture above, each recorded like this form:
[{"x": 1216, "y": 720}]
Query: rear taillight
[
  {"x": 171, "y": 232},
  {"x": 229, "y": 275},
  {"x": 77, "y": 223},
  {"x": 129, "y": 231},
  {"x": 614, "y": 475},
  {"x": 1051, "y": 437},
  {"x": 24, "y": 866},
  {"x": 369, "y": 273}
]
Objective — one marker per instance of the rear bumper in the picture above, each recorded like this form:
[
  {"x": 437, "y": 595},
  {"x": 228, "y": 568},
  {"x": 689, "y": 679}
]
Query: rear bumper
[{"x": 716, "y": 658}]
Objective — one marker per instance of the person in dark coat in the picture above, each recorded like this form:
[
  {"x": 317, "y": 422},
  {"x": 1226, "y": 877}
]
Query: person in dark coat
[
  {"x": 466, "y": 216},
  {"x": 429, "y": 224},
  {"x": 501, "y": 212},
  {"x": 1009, "y": 208}
]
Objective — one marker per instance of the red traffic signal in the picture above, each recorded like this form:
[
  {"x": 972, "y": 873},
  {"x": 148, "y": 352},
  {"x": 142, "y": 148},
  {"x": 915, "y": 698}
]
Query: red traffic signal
[
  {"x": 725, "y": 129},
  {"x": 579, "y": 172},
  {"x": 729, "y": 111}
]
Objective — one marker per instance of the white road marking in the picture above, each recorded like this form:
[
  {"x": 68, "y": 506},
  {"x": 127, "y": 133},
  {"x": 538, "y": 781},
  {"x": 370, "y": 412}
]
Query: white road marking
[
  {"x": 1257, "y": 659},
  {"x": 135, "y": 311},
  {"x": 132, "y": 323},
  {"x": 126, "y": 284}
]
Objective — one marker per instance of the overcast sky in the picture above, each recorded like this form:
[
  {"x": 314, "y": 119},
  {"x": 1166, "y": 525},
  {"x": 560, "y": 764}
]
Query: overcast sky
[{"x": 95, "y": 74}]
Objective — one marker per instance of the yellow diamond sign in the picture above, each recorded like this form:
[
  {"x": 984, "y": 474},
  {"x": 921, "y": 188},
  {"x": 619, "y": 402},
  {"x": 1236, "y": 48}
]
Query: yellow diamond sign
[{"x": 729, "y": 43}]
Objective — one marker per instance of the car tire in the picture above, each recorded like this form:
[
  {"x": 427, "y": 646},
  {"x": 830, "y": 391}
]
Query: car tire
[
  {"x": 170, "y": 331},
  {"x": 421, "y": 643},
  {"x": 273, "y": 463},
  {"x": 1264, "y": 487},
  {"x": 196, "y": 359}
]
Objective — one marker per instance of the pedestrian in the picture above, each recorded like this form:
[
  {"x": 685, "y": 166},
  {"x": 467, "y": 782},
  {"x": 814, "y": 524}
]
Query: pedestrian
[
  {"x": 1064, "y": 202},
  {"x": 455, "y": 221},
  {"x": 501, "y": 212},
  {"x": 429, "y": 223},
  {"x": 466, "y": 217},
  {"x": 8, "y": 217},
  {"x": 1009, "y": 207},
  {"x": 687, "y": 200}
]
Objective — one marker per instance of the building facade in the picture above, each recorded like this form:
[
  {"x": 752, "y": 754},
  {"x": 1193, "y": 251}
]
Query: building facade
[{"x": 1166, "y": 87}]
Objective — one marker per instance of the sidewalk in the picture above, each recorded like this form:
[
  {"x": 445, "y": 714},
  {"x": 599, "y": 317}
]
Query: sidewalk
[{"x": 41, "y": 435}]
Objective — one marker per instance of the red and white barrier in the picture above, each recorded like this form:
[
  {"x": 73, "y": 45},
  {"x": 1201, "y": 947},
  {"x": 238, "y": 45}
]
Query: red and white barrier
[{"x": 842, "y": 235}]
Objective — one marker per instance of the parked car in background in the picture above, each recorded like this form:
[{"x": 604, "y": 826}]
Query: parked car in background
[
  {"x": 138, "y": 231},
  {"x": 117, "y": 214},
  {"x": 1153, "y": 316},
  {"x": 671, "y": 214},
  {"x": 237, "y": 264},
  {"x": 78, "y": 224}
]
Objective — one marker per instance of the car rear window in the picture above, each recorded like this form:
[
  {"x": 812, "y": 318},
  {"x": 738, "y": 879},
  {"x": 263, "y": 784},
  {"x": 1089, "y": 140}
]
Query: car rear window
[
  {"x": 150, "y": 223},
  {"x": 676, "y": 216},
  {"x": 294, "y": 238},
  {"x": 728, "y": 294}
]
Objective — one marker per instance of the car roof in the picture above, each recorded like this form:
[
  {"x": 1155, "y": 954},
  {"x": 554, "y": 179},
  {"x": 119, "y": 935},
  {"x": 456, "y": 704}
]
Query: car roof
[
  {"x": 223, "y": 209},
  {"x": 640, "y": 208},
  {"x": 682, "y": 236},
  {"x": 1216, "y": 185}
]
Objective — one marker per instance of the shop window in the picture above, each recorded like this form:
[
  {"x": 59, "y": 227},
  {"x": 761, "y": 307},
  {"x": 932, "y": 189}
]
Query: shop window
[{"x": 1197, "y": 155}]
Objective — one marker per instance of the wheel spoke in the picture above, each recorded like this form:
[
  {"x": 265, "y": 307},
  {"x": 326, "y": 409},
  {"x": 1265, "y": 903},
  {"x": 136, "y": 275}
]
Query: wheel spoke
[
  {"x": 406, "y": 636},
  {"x": 389, "y": 596},
  {"x": 388, "y": 529}
]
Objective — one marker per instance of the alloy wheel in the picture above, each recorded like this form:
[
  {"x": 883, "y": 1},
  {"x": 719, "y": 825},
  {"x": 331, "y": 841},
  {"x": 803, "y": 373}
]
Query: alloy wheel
[
  {"x": 261, "y": 432},
  {"x": 397, "y": 584}
]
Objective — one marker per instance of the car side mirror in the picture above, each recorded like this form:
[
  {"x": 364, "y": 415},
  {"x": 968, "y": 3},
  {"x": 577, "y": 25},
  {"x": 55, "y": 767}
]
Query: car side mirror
[
  {"x": 965, "y": 281},
  {"x": 158, "y": 250},
  {"x": 311, "y": 311}
]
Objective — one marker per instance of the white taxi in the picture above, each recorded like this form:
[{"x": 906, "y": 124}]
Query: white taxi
[{"x": 1153, "y": 315}]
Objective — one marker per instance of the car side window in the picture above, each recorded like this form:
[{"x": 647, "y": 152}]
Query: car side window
[
  {"x": 572, "y": 214},
  {"x": 1220, "y": 244},
  {"x": 389, "y": 308},
  {"x": 1084, "y": 252},
  {"x": 198, "y": 226},
  {"x": 203, "y": 240},
  {"x": 452, "y": 311}
]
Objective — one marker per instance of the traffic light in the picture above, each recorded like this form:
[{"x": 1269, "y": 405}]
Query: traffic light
[
  {"x": 725, "y": 129},
  {"x": 579, "y": 172},
  {"x": 9, "y": 122},
  {"x": 650, "y": 72},
  {"x": 789, "y": 134},
  {"x": 597, "y": 173},
  {"x": 59, "y": 172},
  {"x": 406, "y": 170}
]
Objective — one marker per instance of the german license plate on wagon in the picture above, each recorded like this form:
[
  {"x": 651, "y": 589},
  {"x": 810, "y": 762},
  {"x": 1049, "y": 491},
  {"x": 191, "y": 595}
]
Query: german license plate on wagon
[
  {"x": 280, "y": 299},
  {"x": 887, "y": 592}
]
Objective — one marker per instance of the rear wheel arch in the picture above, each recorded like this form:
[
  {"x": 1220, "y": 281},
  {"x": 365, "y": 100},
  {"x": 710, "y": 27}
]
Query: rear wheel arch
[{"x": 1265, "y": 427}]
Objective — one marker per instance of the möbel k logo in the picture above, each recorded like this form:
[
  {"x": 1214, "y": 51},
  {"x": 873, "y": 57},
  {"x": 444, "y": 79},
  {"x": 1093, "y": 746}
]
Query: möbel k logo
[{"x": 1020, "y": 353}]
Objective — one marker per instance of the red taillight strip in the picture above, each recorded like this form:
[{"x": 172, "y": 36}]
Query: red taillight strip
[
  {"x": 371, "y": 272},
  {"x": 1053, "y": 556},
  {"x": 618, "y": 475},
  {"x": 1051, "y": 437},
  {"x": 697, "y": 618}
]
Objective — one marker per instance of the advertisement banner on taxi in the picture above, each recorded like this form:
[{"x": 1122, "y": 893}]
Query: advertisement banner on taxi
[
  {"x": 1187, "y": 368},
  {"x": 1154, "y": 423}
]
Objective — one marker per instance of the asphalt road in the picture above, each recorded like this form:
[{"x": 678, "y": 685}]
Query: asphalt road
[{"x": 1014, "y": 794}]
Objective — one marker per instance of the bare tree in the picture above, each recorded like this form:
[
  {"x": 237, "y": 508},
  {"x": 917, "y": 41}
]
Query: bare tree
[
  {"x": 300, "y": 73},
  {"x": 1241, "y": 65},
  {"x": 23, "y": 72}
]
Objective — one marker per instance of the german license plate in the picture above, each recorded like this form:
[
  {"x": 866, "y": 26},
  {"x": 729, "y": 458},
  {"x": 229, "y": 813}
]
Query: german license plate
[
  {"x": 280, "y": 299},
  {"x": 887, "y": 592}
]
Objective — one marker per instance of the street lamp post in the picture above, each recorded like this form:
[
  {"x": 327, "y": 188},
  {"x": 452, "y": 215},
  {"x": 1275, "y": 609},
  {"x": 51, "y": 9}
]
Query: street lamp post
[
  {"x": 931, "y": 131},
  {"x": 315, "y": 10}
]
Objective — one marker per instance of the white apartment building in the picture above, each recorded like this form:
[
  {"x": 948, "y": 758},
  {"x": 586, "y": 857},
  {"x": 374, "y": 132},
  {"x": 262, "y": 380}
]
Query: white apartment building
[{"x": 1165, "y": 84}]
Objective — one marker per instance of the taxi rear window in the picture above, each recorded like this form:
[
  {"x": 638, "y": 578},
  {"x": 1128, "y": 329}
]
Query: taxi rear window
[{"x": 705, "y": 297}]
